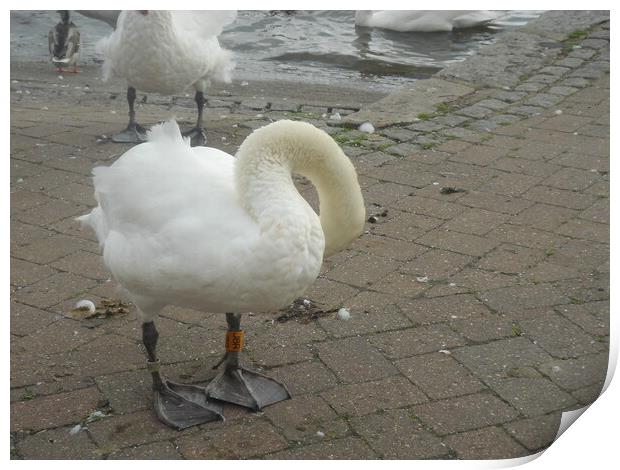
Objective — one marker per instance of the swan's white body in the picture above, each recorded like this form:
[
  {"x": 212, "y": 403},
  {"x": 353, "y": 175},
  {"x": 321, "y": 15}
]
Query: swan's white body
[
  {"x": 198, "y": 228},
  {"x": 167, "y": 51},
  {"x": 424, "y": 20}
]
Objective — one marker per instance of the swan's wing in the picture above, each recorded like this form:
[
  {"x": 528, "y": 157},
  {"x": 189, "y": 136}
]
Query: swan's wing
[{"x": 203, "y": 23}]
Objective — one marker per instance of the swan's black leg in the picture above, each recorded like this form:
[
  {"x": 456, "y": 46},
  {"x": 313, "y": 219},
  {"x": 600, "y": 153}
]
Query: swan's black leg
[
  {"x": 134, "y": 133},
  {"x": 177, "y": 405},
  {"x": 198, "y": 135},
  {"x": 236, "y": 384}
]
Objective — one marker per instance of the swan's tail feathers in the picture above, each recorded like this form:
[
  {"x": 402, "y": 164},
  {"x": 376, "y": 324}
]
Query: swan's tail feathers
[
  {"x": 166, "y": 132},
  {"x": 95, "y": 220}
]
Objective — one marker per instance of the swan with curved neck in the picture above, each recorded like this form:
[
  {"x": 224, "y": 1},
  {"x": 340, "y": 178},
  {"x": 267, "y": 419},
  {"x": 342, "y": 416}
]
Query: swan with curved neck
[{"x": 198, "y": 228}]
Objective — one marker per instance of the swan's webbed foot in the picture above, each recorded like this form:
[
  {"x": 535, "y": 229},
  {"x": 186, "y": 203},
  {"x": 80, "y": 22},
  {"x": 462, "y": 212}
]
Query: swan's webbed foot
[
  {"x": 246, "y": 388},
  {"x": 134, "y": 134},
  {"x": 197, "y": 136},
  {"x": 181, "y": 406}
]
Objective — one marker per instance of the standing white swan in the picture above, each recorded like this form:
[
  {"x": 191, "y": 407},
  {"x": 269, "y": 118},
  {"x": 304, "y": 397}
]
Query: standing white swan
[
  {"x": 167, "y": 52},
  {"x": 424, "y": 20},
  {"x": 198, "y": 228}
]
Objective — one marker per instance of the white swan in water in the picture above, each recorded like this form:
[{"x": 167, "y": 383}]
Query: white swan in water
[
  {"x": 198, "y": 228},
  {"x": 424, "y": 20},
  {"x": 167, "y": 52}
]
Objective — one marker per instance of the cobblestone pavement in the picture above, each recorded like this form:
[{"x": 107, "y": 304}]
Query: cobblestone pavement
[{"x": 479, "y": 293}]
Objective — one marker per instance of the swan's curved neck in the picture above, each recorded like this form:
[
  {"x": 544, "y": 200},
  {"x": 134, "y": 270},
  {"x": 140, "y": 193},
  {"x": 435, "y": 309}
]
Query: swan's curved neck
[{"x": 267, "y": 159}]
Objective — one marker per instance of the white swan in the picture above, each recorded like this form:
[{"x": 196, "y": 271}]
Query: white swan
[
  {"x": 424, "y": 20},
  {"x": 198, "y": 228},
  {"x": 64, "y": 43},
  {"x": 166, "y": 52}
]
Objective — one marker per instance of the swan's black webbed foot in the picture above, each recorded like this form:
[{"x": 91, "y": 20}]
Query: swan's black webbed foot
[
  {"x": 134, "y": 134},
  {"x": 197, "y": 136}
]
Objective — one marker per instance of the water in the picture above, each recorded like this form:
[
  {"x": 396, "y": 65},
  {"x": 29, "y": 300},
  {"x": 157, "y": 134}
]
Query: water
[{"x": 311, "y": 46}]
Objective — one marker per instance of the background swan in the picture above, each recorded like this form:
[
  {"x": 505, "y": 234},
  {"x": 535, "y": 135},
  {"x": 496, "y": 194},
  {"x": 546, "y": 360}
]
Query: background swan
[
  {"x": 64, "y": 43},
  {"x": 167, "y": 52},
  {"x": 197, "y": 228},
  {"x": 424, "y": 20}
]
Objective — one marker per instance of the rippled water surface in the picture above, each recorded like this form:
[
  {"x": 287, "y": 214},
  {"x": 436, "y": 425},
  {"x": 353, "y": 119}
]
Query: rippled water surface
[{"x": 312, "y": 46}]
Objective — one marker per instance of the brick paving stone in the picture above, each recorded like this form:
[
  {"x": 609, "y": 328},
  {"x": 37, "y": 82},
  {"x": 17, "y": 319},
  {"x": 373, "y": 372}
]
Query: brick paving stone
[
  {"x": 464, "y": 413},
  {"x": 486, "y": 443},
  {"x": 435, "y": 265},
  {"x": 155, "y": 451},
  {"x": 399, "y": 250},
  {"x": 49, "y": 248},
  {"x": 600, "y": 189},
  {"x": 484, "y": 327},
  {"x": 537, "y": 150},
  {"x": 467, "y": 244},
  {"x": 54, "y": 410},
  {"x": 370, "y": 312},
  {"x": 495, "y": 202},
  {"x": 52, "y": 290},
  {"x": 300, "y": 418},
  {"x": 511, "y": 184},
  {"x": 549, "y": 272},
  {"x": 58, "y": 444},
  {"x": 559, "y": 197},
  {"x": 533, "y": 396},
  {"x": 577, "y": 228},
  {"x": 593, "y": 317},
  {"x": 354, "y": 360},
  {"x": 510, "y": 259},
  {"x": 430, "y": 208},
  {"x": 125, "y": 431},
  {"x": 419, "y": 340},
  {"x": 404, "y": 226},
  {"x": 84, "y": 264},
  {"x": 439, "y": 375},
  {"x": 476, "y": 279},
  {"x": 565, "y": 123},
  {"x": 572, "y": 179},
  {"x": 493, "y": 361},
  {"x": 544, "y": 216},
  {"x": 590, "y": 163},
  {"x": 527, "y": 236},
  {"x": 513, "y": 298},
  {"x": 24, "y": 273},
  {"x": 62, "y": 335},
  {"x": 404, "y": 172},
  {"x": 525, "y": 166},
  {"x": 559, "y": 337},
  {"x": 127, "y": 392},
  {"x": 402, "y": 285},
  {"x": 587, "y": 395},
  {"x": 348, "y": 448},
  {"x": 442, "y": 309},
  {"x": 535, "y": 433},
  {"x": 305, "y": 377},
  {"x": 363, "y": 270},
  {"x": 479, "y": 154},
  {"x": 574, "y": 374},
  {"x": 395, "y": 434},
  {"x": 369, "y": 397},
  {"x": 597, "y": 212},
  {"x": 475, "y": 221},
  {"x": 385, "y": 193},
  {"x": 238, "y": 441},
  {"x": 26, "y": 319}
]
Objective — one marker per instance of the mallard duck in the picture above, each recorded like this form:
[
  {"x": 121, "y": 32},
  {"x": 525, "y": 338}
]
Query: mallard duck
[
  {"x": 64, "y": 43},
  {"x": 167, "y": 52},
  {"x": 199, "y": 228}
]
